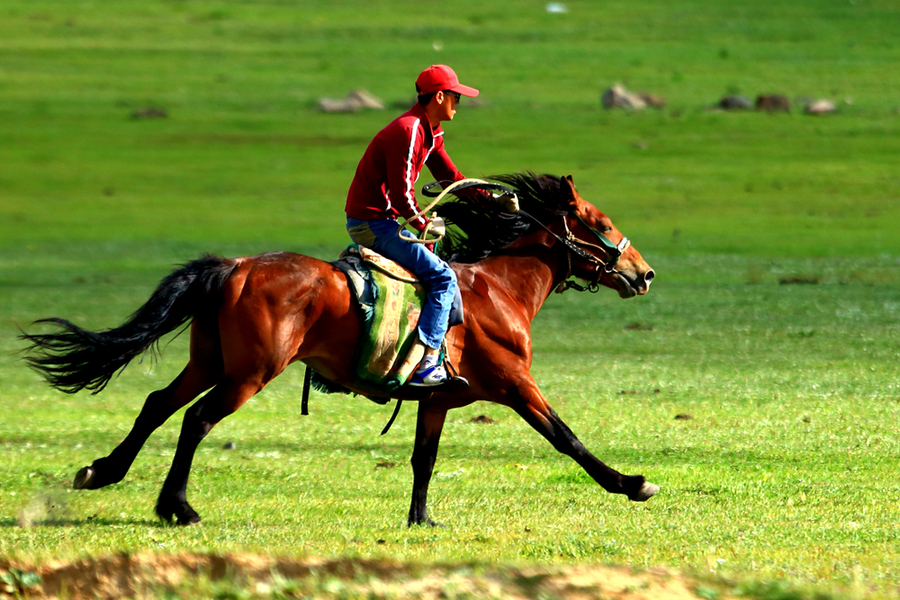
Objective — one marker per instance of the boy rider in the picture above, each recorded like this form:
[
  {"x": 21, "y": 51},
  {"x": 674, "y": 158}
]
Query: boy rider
[{"x": 383, "y": 188}]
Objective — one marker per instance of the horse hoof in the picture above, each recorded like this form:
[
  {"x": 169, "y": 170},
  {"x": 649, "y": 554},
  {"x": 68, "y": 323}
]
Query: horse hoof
[
  {"x": 426, "y": 523},
  {"x": 180, "y": 521},
  {"x": 189, "y": 519},
  {"x": 647, "y": 491},
  {"x": 84, "y": 478},
  {"x": 172, "y": 515}
]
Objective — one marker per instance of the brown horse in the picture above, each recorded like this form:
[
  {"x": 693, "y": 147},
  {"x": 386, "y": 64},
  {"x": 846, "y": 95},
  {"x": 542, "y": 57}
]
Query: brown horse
[{"x": 252, "y": 317}]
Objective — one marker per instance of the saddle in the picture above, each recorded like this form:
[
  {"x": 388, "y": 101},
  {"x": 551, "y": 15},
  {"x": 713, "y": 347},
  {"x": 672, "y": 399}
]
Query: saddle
[{"x": 389, "y": 300}]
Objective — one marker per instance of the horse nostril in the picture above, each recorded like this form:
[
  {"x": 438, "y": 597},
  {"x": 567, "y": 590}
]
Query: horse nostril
[{"x": 648, "y": 276}]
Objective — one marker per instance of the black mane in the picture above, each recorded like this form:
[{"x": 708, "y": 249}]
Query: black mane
[{"x": 477, "y": 227}]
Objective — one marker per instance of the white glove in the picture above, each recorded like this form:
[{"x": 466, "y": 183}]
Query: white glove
[
  {"x": 509, "y": 201},
  {"x": 437, "y": 227}
]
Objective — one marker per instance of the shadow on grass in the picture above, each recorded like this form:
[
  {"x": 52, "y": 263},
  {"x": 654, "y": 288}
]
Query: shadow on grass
[{"x": 9, "y": 523}]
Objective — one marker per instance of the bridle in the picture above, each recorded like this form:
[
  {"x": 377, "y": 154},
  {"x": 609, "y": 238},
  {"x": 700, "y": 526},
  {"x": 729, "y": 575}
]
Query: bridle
[{"x": 573, "y": 244}]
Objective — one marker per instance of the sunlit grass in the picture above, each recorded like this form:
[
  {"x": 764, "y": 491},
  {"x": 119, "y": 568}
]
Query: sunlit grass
[
  {"x": 765, "y": 411},
  {"x": 756, "y": 383}
]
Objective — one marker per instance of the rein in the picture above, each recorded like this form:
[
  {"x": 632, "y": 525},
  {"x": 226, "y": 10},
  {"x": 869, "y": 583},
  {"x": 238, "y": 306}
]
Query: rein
[
  {"x": 438, "y": 196},
  {"x": 462, "y": 185}
]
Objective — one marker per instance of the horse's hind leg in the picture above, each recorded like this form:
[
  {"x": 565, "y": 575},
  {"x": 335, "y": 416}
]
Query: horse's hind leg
[
  {"x": 220, "y": 402},
  {"x": 200, "y": 374},
  {"x": 159, "y": 406}
]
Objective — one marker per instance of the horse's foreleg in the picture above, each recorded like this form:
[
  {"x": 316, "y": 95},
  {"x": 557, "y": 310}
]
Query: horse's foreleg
[
  {"x": 159, "y": 406},
  {"x": 535, "y": 410},
  {"x": 429, "y": 424},
  {"x": 220, "y": 402}
]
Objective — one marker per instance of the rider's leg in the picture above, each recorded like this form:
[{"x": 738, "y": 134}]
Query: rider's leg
[{"x": 436, "y": 275}]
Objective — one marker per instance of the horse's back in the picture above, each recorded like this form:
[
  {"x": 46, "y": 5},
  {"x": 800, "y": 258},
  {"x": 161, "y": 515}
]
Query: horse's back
[
  {"x": 281, "y": 306},
  {"x": 280, "y": 276}
]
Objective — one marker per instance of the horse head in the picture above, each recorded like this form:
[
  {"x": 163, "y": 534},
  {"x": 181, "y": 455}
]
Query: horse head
[{"x": 598, "y": 252}]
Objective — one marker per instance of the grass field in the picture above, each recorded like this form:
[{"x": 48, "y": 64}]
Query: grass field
[{"x": 774, "y": 322}]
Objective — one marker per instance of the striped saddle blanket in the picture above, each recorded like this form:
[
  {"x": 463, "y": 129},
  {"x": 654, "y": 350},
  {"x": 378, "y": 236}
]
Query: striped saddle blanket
[{"x": 390, "y": 300}]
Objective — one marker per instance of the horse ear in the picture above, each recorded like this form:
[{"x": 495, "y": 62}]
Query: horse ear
[{"x": 567, "y": 190}]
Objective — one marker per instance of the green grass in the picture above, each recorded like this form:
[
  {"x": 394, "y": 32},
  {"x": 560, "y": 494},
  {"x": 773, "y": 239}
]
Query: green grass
[{"x": 787, "y": 472}]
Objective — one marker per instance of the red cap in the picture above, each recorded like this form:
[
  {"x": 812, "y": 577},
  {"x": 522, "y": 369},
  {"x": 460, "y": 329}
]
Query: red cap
[{"x": 441, "y": 77}]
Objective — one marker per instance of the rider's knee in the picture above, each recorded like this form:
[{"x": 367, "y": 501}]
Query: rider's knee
[{"x": 443, "y": 279}]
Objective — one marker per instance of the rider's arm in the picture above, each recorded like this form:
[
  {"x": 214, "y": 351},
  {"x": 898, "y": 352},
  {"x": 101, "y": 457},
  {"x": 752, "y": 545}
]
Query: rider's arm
[
  {"x": 403, "y": 158},
  {"x": 439, "y": 163},
  {"x": 443, "y": 169}
]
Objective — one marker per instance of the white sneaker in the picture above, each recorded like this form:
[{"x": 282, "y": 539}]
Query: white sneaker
[{"x": 429, "y": 373}]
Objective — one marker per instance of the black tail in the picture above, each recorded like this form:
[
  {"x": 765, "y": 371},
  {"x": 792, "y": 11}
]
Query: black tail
[{"x": 73, "y": 359}]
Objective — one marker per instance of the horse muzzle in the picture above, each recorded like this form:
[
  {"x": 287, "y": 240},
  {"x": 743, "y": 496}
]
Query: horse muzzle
[{"x": 630, "y": 286}]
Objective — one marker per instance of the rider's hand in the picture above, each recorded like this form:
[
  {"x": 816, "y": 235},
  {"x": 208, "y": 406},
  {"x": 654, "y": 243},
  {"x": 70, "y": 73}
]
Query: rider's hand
[
  {"x": 509, "y": 201},
  {"x": 438, "y": 227}
]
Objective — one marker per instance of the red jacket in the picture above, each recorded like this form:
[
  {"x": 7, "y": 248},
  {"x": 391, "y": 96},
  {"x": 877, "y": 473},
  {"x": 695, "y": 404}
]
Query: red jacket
[{"x": 384, "y": 184}]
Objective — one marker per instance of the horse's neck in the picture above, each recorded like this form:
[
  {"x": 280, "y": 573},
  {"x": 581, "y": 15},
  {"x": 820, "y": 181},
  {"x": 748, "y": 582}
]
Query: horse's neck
[{"x": 529, "y": 270}]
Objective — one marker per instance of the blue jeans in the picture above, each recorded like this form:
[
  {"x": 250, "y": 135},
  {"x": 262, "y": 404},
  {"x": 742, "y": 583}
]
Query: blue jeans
[{"x": 436, "y": 275}]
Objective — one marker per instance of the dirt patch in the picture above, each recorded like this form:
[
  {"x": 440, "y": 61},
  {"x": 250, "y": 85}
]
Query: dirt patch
[{"x": 157, "y": 575}]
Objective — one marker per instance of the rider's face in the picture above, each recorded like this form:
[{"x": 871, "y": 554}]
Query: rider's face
[{"x": 448, "y": 102}]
